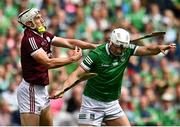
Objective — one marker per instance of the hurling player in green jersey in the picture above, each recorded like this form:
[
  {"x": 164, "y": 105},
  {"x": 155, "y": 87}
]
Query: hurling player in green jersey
[{"x": 101, "y": 93}]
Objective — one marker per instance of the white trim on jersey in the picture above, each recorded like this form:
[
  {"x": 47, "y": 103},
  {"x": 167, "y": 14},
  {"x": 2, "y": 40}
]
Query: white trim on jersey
[
  {"x": 39, "y": 50},
  {"x": 33, "y": 43},
  {"x": 131, "y": 46},
  {"x": 135, "y": 47},
  {"x": 88, "y": 60},
  {"x": 53, "y": 40},
  {"x": 85, "y": 67},
  {"x": 135, "y": 50},
  {"x": 107, "y": 49}
]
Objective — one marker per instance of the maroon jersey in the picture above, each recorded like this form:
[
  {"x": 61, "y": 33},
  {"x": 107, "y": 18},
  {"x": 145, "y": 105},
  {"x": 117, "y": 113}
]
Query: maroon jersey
[{"x": 32, "y": 71}]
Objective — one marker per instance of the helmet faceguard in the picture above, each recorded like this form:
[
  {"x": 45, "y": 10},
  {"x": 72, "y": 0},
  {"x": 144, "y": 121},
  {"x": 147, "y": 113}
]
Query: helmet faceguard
[{"x": 120, "y": 37}]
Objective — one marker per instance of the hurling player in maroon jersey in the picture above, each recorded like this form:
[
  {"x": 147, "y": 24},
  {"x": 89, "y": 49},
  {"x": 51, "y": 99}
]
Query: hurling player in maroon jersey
[{"x": 35, "y": 60}]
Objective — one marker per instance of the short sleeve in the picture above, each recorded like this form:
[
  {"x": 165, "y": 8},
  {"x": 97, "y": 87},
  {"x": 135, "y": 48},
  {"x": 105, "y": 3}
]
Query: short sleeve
[
  {"x": 32, "y": 45},
  {"x": 89, "y": 61},
  {"x": 133, "y": 48},
  {"x": 49, "y": 36}
]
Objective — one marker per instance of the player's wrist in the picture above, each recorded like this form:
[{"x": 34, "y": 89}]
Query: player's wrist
[
  {"x": 72, "y": 59},
  {"x": 160, "y": 48},
  {"x": 75, "y": 58}
]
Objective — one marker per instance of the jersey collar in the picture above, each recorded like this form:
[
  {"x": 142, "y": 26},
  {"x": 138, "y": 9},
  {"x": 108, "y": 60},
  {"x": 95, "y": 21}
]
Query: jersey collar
[
  {"x": 108, "y": 52},
  {"x": 107, "y": 48},
  {"x": 41, "y": 35}
]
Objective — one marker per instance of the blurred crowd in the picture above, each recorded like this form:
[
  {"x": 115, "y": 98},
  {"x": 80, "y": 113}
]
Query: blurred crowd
[{"x": 151, "y": 85}]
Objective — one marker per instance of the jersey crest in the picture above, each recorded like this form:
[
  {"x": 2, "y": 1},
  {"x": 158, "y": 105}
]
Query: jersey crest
[
  {"x": 123, "y": 57},
  {"x": 48, "y": 39}
]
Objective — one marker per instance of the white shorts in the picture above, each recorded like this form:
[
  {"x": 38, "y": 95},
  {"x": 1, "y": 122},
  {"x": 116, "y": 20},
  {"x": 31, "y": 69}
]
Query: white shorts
[
  {"x": 32, "y": 98},
  {"x": 94, "y": 112}
]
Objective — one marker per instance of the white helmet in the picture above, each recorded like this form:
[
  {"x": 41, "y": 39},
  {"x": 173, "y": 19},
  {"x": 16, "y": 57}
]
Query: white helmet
[
  {"x": 28, "y": 15},
  {"x": 120, "y": 37}
]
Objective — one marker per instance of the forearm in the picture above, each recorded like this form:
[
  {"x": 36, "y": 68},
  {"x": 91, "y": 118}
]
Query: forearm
[
  {"x": 74, "y": 77},
  {"x": 59, "y": 62},
  {"x": 153, "y": 50},
  {"x": 70, "y": 81},
  {"x": 59, "y": 42},
  {"x": 82, "y": 44},
  {"x": 150, "y": 50}
]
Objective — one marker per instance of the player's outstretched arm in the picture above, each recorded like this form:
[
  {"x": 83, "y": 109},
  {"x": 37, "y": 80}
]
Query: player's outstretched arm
[
  {"x": 41, "y": 57},
  {"x": 70, "y": 82},
  {"x": 71, "y": 43},
  {"x": 153, "y": 49},
  {"x": 74, "y": 77}
]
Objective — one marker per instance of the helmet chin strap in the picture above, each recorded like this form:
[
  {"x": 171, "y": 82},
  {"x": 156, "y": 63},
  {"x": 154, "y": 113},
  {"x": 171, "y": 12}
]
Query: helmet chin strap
[{"x": 40, "y": 29}]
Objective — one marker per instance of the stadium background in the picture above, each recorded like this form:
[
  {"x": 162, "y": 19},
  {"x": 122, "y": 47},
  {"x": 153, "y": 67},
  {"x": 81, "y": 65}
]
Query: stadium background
[{"x": 151, "y": 86}]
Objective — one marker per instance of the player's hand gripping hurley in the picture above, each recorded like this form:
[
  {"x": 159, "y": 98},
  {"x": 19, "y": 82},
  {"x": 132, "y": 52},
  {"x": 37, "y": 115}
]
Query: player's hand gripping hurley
[{"x": 154, "y": 34}]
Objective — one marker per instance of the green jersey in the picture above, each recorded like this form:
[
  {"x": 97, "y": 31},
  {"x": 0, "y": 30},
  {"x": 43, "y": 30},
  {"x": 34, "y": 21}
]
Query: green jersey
[{"x": 107, "y": 85}]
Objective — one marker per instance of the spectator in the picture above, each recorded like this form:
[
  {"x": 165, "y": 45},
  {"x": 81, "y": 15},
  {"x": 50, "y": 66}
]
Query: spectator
[
  {"x": 5, "y": 114},
  {"x": 167, "y": 113},
  {"x": 145, "y": 114}
]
